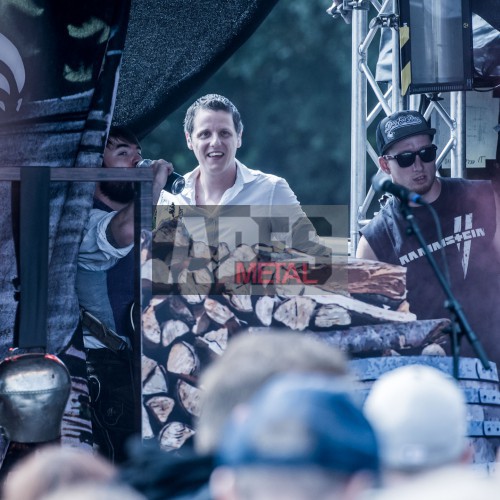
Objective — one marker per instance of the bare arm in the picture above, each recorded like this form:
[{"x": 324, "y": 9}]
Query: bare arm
[
  {"x": 120, "y": 231},
  {"x": 364, "y": 250}
]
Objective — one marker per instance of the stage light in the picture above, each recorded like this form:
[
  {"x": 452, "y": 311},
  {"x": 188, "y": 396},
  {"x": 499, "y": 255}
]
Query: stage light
[{"x": 435, "y": 46}]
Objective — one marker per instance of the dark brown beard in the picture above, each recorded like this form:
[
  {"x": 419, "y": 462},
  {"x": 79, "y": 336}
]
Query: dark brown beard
[{"x": 117, "y": 191}]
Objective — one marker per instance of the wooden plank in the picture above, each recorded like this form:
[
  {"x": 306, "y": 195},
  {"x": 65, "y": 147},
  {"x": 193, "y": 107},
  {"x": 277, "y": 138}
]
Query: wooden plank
[{"x": 84, "y": 174}]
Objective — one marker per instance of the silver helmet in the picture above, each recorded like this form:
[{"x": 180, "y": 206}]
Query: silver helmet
[{"x": 34, "y": 390}]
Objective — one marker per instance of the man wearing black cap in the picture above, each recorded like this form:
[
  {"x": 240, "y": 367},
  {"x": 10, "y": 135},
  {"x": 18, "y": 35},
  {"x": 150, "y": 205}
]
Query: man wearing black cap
[{"x": 468, "y": 238}]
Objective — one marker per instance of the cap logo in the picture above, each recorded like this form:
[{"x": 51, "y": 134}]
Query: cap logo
[{"x": 402, "y": 121}]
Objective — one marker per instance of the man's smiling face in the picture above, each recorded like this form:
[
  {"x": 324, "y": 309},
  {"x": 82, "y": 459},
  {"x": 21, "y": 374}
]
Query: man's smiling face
[{"x": 214, "y": 141}]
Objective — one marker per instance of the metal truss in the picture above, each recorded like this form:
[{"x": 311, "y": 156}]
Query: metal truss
[{"x": 356, "y": 12}]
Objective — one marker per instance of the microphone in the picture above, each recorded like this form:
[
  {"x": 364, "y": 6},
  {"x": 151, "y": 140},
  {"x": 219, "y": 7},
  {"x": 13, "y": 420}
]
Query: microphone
[
  {"x": 383, "y": 183},
  {"x": 175, "y": 182}
]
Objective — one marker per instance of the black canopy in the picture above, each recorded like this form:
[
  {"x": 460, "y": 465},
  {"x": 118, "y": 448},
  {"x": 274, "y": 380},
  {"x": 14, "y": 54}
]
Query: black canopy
[{"x": 172, "y": 47}]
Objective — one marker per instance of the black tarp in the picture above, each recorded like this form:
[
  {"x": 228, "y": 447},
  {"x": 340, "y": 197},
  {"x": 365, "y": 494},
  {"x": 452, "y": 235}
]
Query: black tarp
[{"x": 172, "y": 47}]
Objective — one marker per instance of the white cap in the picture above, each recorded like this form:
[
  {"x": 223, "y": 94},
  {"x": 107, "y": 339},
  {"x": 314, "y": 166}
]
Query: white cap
[
  {"x": 459, "y": 482},
  {"x": 420, "y": 417}
]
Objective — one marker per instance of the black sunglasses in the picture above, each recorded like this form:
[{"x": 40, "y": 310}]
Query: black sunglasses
[{"x": 407, "y": 158}]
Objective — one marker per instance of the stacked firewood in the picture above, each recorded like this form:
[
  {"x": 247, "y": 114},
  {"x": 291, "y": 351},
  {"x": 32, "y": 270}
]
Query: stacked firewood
[{"x": 196, "y": 297}]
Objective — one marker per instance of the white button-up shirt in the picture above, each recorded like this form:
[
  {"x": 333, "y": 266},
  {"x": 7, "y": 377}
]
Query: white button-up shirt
[{"x": 258, "y": 208}]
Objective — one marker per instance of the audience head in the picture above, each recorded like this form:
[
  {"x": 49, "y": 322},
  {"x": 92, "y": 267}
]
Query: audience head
[
  {"x": 300, "y": 436},
  {"x": 213, "y": 102},
  {"x": 420, "y": 416},
  {"x": 89, "y": 490},
  {"x": 51, "y": 467},
  {"x": 459, "y": 482},
  {"x": 248, "y": 362}
]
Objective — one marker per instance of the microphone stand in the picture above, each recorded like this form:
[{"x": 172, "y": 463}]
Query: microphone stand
[{"x": 459, "y": 324}]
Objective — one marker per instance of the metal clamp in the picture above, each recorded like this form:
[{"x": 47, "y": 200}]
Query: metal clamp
[
  {"x": 344, "y": 8},
  {"x": 386, "y": 21},
  {"x": 356, "y": 4}
]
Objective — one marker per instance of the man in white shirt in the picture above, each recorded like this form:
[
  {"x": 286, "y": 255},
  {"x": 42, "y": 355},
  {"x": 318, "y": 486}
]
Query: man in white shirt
[{"x": 213, "y": 131}]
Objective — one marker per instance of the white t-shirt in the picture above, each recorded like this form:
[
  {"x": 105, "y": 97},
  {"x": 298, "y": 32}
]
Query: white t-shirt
[{"x": 96, "y": 252}]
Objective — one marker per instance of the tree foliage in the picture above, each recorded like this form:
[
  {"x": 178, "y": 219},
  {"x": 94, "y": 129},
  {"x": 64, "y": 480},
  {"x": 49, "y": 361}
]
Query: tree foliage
[{"x": 291, "y": 83}]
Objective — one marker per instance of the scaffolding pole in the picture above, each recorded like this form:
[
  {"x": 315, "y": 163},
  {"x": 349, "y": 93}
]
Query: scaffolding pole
[
  {"x": 388, "y": 102},
  {"x": 358, "y": 122}
]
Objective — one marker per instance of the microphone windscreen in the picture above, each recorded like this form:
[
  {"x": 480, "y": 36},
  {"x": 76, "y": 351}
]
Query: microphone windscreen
[{"x": 379, "y": 179}]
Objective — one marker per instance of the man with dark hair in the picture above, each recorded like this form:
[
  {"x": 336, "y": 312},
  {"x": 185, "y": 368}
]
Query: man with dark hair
[
  {"x": 469, "y": 239},
  {"x": 105, "y": 287},
  {"x": 214, "y": 102},
  {"x": 213, "y": 129}
]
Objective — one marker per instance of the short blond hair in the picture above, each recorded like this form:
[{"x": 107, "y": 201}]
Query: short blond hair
[
  {"x": 248, "y": 362},
  {"x": 50, "y": 467}
]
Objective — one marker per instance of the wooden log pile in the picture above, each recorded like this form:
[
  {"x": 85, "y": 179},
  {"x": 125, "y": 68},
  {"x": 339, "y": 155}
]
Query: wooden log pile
[{"x": 195, "y": 298}]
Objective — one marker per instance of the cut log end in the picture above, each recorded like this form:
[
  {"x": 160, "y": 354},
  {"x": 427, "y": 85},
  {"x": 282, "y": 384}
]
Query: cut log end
[
  {"x": 174, "y": 435},
  {"x": 183, "y": 359}
]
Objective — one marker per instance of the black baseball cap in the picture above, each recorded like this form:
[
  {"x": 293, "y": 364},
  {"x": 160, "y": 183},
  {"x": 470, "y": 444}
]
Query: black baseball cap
[{"x": 400, "y": 125}]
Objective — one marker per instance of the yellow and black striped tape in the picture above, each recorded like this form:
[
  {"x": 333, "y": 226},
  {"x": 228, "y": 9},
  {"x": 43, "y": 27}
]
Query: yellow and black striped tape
[{"x": 405, "y": 55}]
